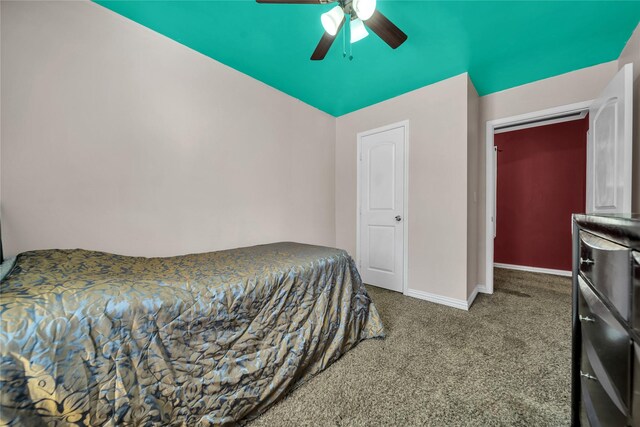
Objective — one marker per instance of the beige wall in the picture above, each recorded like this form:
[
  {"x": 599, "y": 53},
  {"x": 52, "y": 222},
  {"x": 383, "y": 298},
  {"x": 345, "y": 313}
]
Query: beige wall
[
  {"x": 577, "y": 86},
  {"x": 473, "y": 142},
  {"x": 631, "y": 54},
  {"x": 437, "y": 214},
  {"x": 116, "y": 138}
]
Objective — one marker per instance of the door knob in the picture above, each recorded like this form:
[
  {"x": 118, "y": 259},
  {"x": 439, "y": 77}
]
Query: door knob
[{"x": 398, "y": 218}]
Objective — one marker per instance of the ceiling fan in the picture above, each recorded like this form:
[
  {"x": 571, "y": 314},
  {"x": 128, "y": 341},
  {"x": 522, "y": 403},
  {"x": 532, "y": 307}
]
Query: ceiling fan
[{"x": 361, "y": 13}]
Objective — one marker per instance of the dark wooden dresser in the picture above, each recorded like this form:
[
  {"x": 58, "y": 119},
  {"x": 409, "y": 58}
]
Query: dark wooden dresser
[{"x": 606, "y": 321}]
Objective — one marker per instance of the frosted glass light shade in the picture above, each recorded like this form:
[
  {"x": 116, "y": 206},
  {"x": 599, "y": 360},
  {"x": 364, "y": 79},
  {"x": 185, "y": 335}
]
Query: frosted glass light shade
[
  {"x": 331, "y": 20},
  {"x": 358, "y": 31},
  {"x": 364, "y": 8}
]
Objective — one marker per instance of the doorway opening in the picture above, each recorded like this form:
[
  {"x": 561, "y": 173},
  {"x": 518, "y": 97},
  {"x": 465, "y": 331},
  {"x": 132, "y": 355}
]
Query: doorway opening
[
  {"x": 541, "y": 171},
  {"x": 499, "y": 129}
]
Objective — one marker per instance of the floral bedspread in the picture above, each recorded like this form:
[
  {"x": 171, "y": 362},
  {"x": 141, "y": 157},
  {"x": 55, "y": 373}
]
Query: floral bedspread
[{"x": 95, "y": 339}]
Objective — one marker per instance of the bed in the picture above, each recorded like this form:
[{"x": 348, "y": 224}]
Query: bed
[{"x": 91, "y": 338}]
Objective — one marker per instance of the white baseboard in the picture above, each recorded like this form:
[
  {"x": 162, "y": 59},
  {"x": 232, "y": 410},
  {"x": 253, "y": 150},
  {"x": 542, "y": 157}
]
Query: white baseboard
[
  {"x": 534, "y": 269},
  {"x": 473, "y": 296},
  {"x": 483, "y": 290},
  {"x": 439, "y": 299}
]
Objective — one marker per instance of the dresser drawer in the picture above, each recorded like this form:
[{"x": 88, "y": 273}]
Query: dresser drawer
[
  {"x": 607, "y": 266},
  {"x": 607, "y": 341},
  {"x": 635, "y": 272},
  {"x": 599, "y": 406},
  {"x": 635, "y": 390}
]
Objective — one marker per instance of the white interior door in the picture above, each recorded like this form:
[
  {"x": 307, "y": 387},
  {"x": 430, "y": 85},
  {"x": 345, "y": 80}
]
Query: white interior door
[
  {"x": 381, "y": 180},
  {"x": 609, "y": 146}
]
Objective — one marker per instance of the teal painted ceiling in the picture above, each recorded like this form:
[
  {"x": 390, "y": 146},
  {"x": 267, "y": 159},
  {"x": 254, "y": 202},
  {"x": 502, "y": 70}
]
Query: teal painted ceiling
[{"x": 501, "y": 44}]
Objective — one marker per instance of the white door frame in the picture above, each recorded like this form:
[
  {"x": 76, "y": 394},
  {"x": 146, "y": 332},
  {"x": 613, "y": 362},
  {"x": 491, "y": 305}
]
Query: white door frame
[
  {"x": 549, "y": 113},
  {"x": 405, "y": 209}
]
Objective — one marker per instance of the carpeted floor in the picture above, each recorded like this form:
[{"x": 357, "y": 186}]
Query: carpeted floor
[{"x": 506, "y": 362}]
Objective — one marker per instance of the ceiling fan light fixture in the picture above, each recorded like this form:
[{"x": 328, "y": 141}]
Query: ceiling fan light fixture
[
  {"x": 358, "y": 31},
  {"x": 364, "y": 8},
  {"x": 331, "y": 20}
]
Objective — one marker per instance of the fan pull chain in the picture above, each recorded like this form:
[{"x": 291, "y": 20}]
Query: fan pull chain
[{"x": 344, "y": 44}]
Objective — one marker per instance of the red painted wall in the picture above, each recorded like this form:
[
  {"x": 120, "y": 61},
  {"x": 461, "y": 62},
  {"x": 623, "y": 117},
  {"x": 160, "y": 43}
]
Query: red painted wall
[{"x": 541, "y": 182}]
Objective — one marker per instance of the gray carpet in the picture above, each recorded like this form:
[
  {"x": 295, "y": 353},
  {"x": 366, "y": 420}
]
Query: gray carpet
[{"x": 506, "y": 362}]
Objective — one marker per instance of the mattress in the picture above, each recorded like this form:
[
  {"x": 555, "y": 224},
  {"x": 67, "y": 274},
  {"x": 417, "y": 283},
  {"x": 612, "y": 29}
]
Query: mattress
[{"x": 91, "y": 338}]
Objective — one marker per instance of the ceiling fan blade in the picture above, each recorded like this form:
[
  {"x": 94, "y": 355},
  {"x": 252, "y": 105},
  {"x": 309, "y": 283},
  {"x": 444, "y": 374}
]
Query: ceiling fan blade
[
  {"x": 385, "y": 29},
  {"x": 296, "y": 1},
  {"x": 325, "y": 43}
]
